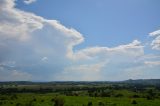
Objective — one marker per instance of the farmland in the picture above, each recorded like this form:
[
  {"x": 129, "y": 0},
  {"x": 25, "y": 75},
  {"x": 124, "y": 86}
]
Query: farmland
[{"x": 126, "y": 93}]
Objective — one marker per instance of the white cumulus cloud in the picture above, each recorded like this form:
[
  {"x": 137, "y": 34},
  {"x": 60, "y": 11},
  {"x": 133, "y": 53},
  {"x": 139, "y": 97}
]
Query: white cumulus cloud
[
  {"x": 34, "y": 48},
  {"x": 29, "y": 1},
  {"x": 152, "y": 63},
  {"x": 156, "y": 42},
  {"x": 132, "y": 49}
]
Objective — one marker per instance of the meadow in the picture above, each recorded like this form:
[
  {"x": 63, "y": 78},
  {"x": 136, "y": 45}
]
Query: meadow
[
  {"x": 30, "y": 99},
  {"x": 79, "y": 94}
]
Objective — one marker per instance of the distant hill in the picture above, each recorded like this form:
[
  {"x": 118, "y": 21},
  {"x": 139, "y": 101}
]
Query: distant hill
[
  {"x": 130, "y": 81},
  {"x": 144, "y": 81}
]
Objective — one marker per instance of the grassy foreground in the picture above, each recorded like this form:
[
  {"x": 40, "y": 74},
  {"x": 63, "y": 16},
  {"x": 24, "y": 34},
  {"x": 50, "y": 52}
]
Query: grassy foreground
[
  {"x": 123, "y": 93},
  {"x": 50, "y": 99}
]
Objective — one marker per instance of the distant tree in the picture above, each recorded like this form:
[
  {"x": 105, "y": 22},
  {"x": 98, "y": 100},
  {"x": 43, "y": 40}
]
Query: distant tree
[
  {"x": 90, "y": 103},
  {"x": 119, "y": 95},
  {"x": 1, "y": 103},
  {"x": 52, "y": 100},
  {"x": 18, "y": 104},
  {"x": 135, "y": 96},
  {"x": 13, "y": 97},
  {"x": 42, "y": 100},
  {"x": 101, "y": 104},
  {"x": 95, "y": 94},
  {"x": 151, "y": 95},
  {"x": 105, "y": 94},
  {"x": 34, "y": 99},
  {"x": 29, "y": 104},
  {"x": 134, "y": 102},
  {"x": 59, "y": 101}
]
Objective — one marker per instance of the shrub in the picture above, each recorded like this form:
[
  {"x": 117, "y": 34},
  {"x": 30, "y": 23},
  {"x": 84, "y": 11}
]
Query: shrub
[
  {"x": 29, "y": 104},
  {"x": 34, "y": 99},
  {"x": 135, "y": 96},
  {"x": 18, "y": 104},
  {"x": 1, "y": 103},
  {"x": 59, "y": 101},
  {"x": 101, "y": 104},
  {"x": 90, "y": 104},
  {"x": 105, "y": 94},
  {"x": 134, "y": 102},
  {"x": 3, "y": 98},
  {"x": 13, "y": 97},
  {"x": 149, "y": 97},
  {"x": 52, "y": 100},
  {"x": 119, "y": 95},
  {"x": 151, "y": 94}
]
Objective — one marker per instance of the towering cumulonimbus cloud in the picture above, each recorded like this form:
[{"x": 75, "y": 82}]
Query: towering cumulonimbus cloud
[{"x": 26, "y": 39}]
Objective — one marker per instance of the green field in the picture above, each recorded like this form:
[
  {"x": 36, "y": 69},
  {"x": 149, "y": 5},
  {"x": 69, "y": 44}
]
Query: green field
[
  {"x": 79, "y": 94},
  {"x": 32, "y": 99}
]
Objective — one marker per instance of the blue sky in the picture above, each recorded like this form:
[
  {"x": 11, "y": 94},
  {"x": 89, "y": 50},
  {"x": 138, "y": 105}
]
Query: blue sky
[
  {"x": 44, "y": 40},
  {"x": 102, "y": 22}
]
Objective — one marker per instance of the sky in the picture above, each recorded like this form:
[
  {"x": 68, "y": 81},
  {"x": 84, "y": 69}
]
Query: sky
[{"x": 77, "y": 40}]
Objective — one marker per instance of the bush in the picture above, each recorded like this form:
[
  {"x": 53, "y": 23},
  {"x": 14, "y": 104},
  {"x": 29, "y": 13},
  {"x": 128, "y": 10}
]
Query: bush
[
  {"x": 59, "y": 101},
  {"x": 52, "y": 100},
  {"x": 135, "y": 96},
  {"x": 29, "y": 104},
  {"x": 42, "y": 100},
  {"x": 134, "y": 102},
  {"x": 101, "y": 104},
  {"x": 149, "y": 97},
  {"x": 105, "y": 94},
  {"x": 119, "y": 95},
  {"x": 18, "y": 104},
  {"x": 3, "y": 98},
  {"x": 151, "y": 94},
  {"x": 34, "y": 99},
  {"x": 89, "y": 104},
  {"x": 1, "y": 103},
  {"x": 13, "y": 97}
]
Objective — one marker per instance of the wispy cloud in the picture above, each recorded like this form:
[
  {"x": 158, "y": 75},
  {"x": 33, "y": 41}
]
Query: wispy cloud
[
  {"x": 29, "y": 1},
  {"x": 152, "y": 63}
]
